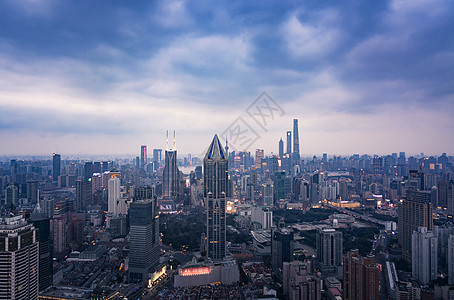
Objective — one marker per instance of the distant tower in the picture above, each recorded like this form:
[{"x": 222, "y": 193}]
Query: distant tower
[
  {"x": 157, "y": 155},
  {"x": 281, "y": 148},
  {"x": 215, "y": 178},
  {"x": 296, "y": 141},
  {"x": 56, "y": 166},
  {"x": 19, "y": 258},
  {"x": 171, "y": 174},
  {"x": 289, "y": 142},
  {"x": 143, "y": 155}
]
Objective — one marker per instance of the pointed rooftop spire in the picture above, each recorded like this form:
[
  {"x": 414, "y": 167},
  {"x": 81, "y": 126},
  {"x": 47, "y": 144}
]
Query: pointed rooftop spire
[{"x": 215, "y": 150}]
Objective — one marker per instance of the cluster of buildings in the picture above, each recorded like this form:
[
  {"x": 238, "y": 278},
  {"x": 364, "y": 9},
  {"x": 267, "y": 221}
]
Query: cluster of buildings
[{"x": 99, "y": 222}]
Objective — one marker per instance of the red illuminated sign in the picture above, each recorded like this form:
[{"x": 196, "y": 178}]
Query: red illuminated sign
[{"x": 195, "y": 271}]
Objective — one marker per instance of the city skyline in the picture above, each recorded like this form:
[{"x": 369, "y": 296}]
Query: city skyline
[{"x": 360, "y": 78}]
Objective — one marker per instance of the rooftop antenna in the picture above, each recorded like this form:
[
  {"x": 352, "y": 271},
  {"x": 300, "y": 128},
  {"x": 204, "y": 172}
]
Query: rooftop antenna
[
  {"x": 167, "y": 139},
  {"x": 226, "y": 144},
  {"x": 174, "y": 141}
]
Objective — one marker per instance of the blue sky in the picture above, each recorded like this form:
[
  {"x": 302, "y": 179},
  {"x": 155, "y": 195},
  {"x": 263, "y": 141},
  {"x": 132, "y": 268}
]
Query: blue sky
[{"x": 94, "y": 77}]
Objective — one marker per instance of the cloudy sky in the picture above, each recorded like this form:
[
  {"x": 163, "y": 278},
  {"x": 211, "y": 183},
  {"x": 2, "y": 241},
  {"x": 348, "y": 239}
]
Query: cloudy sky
[{"x": 94, "y": 77}]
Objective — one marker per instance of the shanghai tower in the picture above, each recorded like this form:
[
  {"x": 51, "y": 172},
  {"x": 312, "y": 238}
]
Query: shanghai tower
[
  {"x": 296, "y": 141},
  {"x": 215, "y": 179}
]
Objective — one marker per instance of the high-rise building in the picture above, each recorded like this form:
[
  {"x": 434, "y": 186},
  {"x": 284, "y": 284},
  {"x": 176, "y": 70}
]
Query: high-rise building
[
  {"x": 11, "y": 195},
  {"x": 281, "y": 148},
  {"x": 143, "y": 155},
  {"x": 157, "y": 155},
  {"x": 450, "y": 259},
  {"x": 113, "y": 196},
  {"x": 361, "y": 277},
  {"x": 413, "y": 212},
  {"x": 289, "y": 142},
  {"x": 59, "y": 230},
  {"x": 268, "y": 193},
  {"x": 32, "y": 191},
  {"x": 215, "y": 179},
  {"x": 281, "y": 245},
  {"x": 296, "y": 141},
  {"x": 46, "y": 250},
  {"x": 424, "y": 248},
  {"x": 171, "y": 174},
  {"x": 377, "y": 166},
  {"x": 144, "y": 239},
  {"x": 259, "y": 154},
  {"x": 83, "y": 194},
  {"x": 19, "y": 256},
  {"x": 329, "y": 250},
  {"x": 56, "y": 166}
]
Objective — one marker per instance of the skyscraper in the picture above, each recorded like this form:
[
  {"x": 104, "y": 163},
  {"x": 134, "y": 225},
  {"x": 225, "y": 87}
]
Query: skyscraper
[
  {"x": 259, "y": 154},
  {"x": 424, "y": 248},
  {"x": 289, "y": 142},
  {"x": 11, "y": 195},
  {"x": 413, "y": 212},
  {"x": 171, "y": 174},
  {"x": 281, "y": 148},
  {"x": 361, "y": 277},
  {"x": 143, "y": 155},
  {"x": 329, "y": 250},
  {"x": 144, "y": 239},
  {"x": 56, "y": 166},
  {"x": 18, "y": 259},
  {"x": 296, "y": 141},
  {"x": 215, "y": 179},
  {"x": 281, "y": 245},
  {"x": 46, "y": 253},
  {"x": 157, "y": 155},
  {"x": 83, "y": 194},
  {"x": 113, "y": 195}
]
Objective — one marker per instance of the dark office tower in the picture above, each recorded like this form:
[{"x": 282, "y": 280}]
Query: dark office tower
[
  {"x": 88, "y": 170},
  {"x": 83, "y": 194},
  {"x": 281, "y": 245},
  {"x": 325, "y": 158},
  {"x": 413, "y": 212},
  {"x": 329, "y": 250},
  {"x": 402, "y": 165},
  {"x": 289, "y": 142},
  {"x": 171, "y": 174},
  {"x": 11, "y": 195},
  {"x": 377, "y": 166},
  {"x": 361, "y": 277},
  {"x": 443, "y": 193},
  {"x": 104, "y": 166},
  {"x": 56, "y": 166},
  {"x": 32, "y": 191},
  {"x": 215, "y": 179},
  {"x": 18, "y": 259},
  {"x": 157, "y": 155},
  {"x": 296, "y": 140},
  {"x": 279, "y": 186},
  {"x": 143, "y": 155},
  {"x": 46, "y": 251},
  {"x": 144, "y": 239},
  {"x": 281, "y": 148}
]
